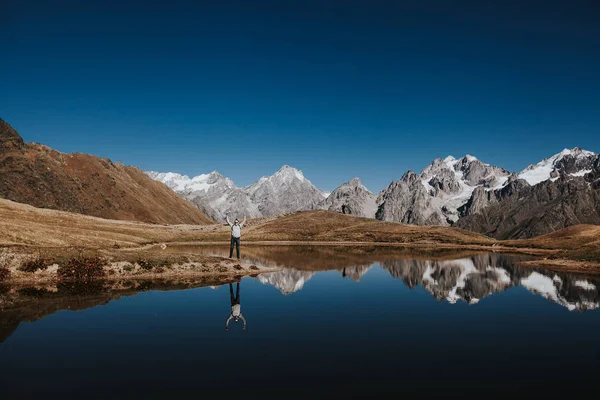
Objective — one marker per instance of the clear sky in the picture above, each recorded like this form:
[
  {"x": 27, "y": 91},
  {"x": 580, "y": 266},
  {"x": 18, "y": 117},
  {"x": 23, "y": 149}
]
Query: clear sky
[{"x": 335, "y": 88}]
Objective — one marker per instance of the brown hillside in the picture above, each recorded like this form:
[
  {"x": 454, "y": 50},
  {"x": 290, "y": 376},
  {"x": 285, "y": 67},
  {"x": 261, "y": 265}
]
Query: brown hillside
[
  {"x": 22, "y": 224},
  {"x": 333, "y": 226},
  {"x": 37, "y": 175}
]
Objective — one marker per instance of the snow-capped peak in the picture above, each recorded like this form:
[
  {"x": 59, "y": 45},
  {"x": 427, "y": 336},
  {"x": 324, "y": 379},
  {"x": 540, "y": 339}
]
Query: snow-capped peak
[
  {"x": 173, "y": 180},
  {"x": 290, "y": 172},
  {"x": 356, "y": 182},
  {"x": 580, "y": 162},
  {"x": 183, "y": 183},
  {"x": 285, "y": 175},
  {"x": 287, "y": 190},
  {"x": 452, "y": 162}
]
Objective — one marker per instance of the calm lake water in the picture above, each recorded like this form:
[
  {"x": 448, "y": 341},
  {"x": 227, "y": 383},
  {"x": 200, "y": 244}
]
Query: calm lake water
[{"x": 334, "y": 322}]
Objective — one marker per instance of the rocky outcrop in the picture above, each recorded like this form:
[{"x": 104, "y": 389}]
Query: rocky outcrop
[
  {"x": 436, "y": 195},
  {"x": 482, "y": 198},
  {"x": 408, "y": 201},
  {"x": 10, "y": 140},
  {"x": 351, "y": 198},
  {"x": 37, "y": 175}
]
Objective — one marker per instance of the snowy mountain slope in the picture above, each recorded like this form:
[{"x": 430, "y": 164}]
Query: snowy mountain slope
[
  {"x": 200, "y": 183},
  {"x": 573, "y": 162}
]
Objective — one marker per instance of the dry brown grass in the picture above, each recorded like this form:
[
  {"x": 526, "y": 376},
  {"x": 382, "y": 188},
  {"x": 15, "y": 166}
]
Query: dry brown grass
[
  {"x": 331, "y": 226},
  {"x": 25, "y": 225},
  {"x": 22, "y": 224},
  {"x": 579, "y": 242}
]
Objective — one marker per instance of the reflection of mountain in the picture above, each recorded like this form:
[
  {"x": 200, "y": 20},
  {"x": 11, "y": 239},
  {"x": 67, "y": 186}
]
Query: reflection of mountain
[
  {"x": 287, "y": 280},
  {"x": 290, "y": 280},
  {"x": 355, "y": 273},
  {"x": 573, "y": 294},
  {"x": 470, "y": 279},
  {"x": 467, "y": 279}
]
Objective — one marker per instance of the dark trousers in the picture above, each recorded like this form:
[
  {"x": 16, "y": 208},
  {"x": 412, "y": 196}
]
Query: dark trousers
[
  {"x": 234, "y": 300},
  {"x": 235, "y": 241}
]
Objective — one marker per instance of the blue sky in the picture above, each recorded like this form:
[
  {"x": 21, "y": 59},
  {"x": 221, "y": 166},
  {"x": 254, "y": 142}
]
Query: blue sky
[{"x": 335, "y": 88}]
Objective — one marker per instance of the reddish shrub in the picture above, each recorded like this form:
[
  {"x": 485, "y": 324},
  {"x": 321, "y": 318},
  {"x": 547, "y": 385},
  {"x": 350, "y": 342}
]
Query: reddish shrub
[
  {"x": 145, "y": 264},
  {"x": 149, "y": 264},
  {"x": 34, "y": 265},
  {"x": 4, "y": 273},
  {"x": 82, "y": 269}
]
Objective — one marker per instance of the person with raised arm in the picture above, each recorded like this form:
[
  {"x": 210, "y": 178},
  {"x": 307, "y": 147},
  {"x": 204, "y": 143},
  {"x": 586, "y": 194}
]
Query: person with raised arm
[{"x": 236, "y": 233}]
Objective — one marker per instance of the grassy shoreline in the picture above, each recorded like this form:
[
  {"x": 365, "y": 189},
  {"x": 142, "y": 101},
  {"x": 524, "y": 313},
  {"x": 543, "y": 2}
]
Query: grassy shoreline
[{"x": 46, "y": 266}]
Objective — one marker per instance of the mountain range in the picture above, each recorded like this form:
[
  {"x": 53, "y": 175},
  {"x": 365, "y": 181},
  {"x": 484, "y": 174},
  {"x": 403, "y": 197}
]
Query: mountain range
[
  {"x": 286, "y": 191},
  {"x": 555, "y": 193}
]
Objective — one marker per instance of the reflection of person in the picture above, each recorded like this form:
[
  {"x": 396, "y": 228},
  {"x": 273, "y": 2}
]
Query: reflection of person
[
  {"x": 236, "y": 233},
  {"x": 236, "y": 312}
]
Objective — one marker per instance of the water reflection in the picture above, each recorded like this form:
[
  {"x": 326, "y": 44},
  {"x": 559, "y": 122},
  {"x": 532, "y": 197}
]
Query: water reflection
[
  {"x": 236, "y": 313},
  {"x": 29, "y": 304},
  {"x": 467, "y": 279},
  {"x": 471, "y": 279}
]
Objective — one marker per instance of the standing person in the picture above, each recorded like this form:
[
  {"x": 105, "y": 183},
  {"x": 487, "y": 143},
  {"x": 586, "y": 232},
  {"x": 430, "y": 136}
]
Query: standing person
[
  {"x": 236, "y": 312},
  {"x": 236, "y": 228}
]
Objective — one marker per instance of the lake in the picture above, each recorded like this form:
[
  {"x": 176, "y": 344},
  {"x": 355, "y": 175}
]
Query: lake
[{"x": 335, "y": 321}]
